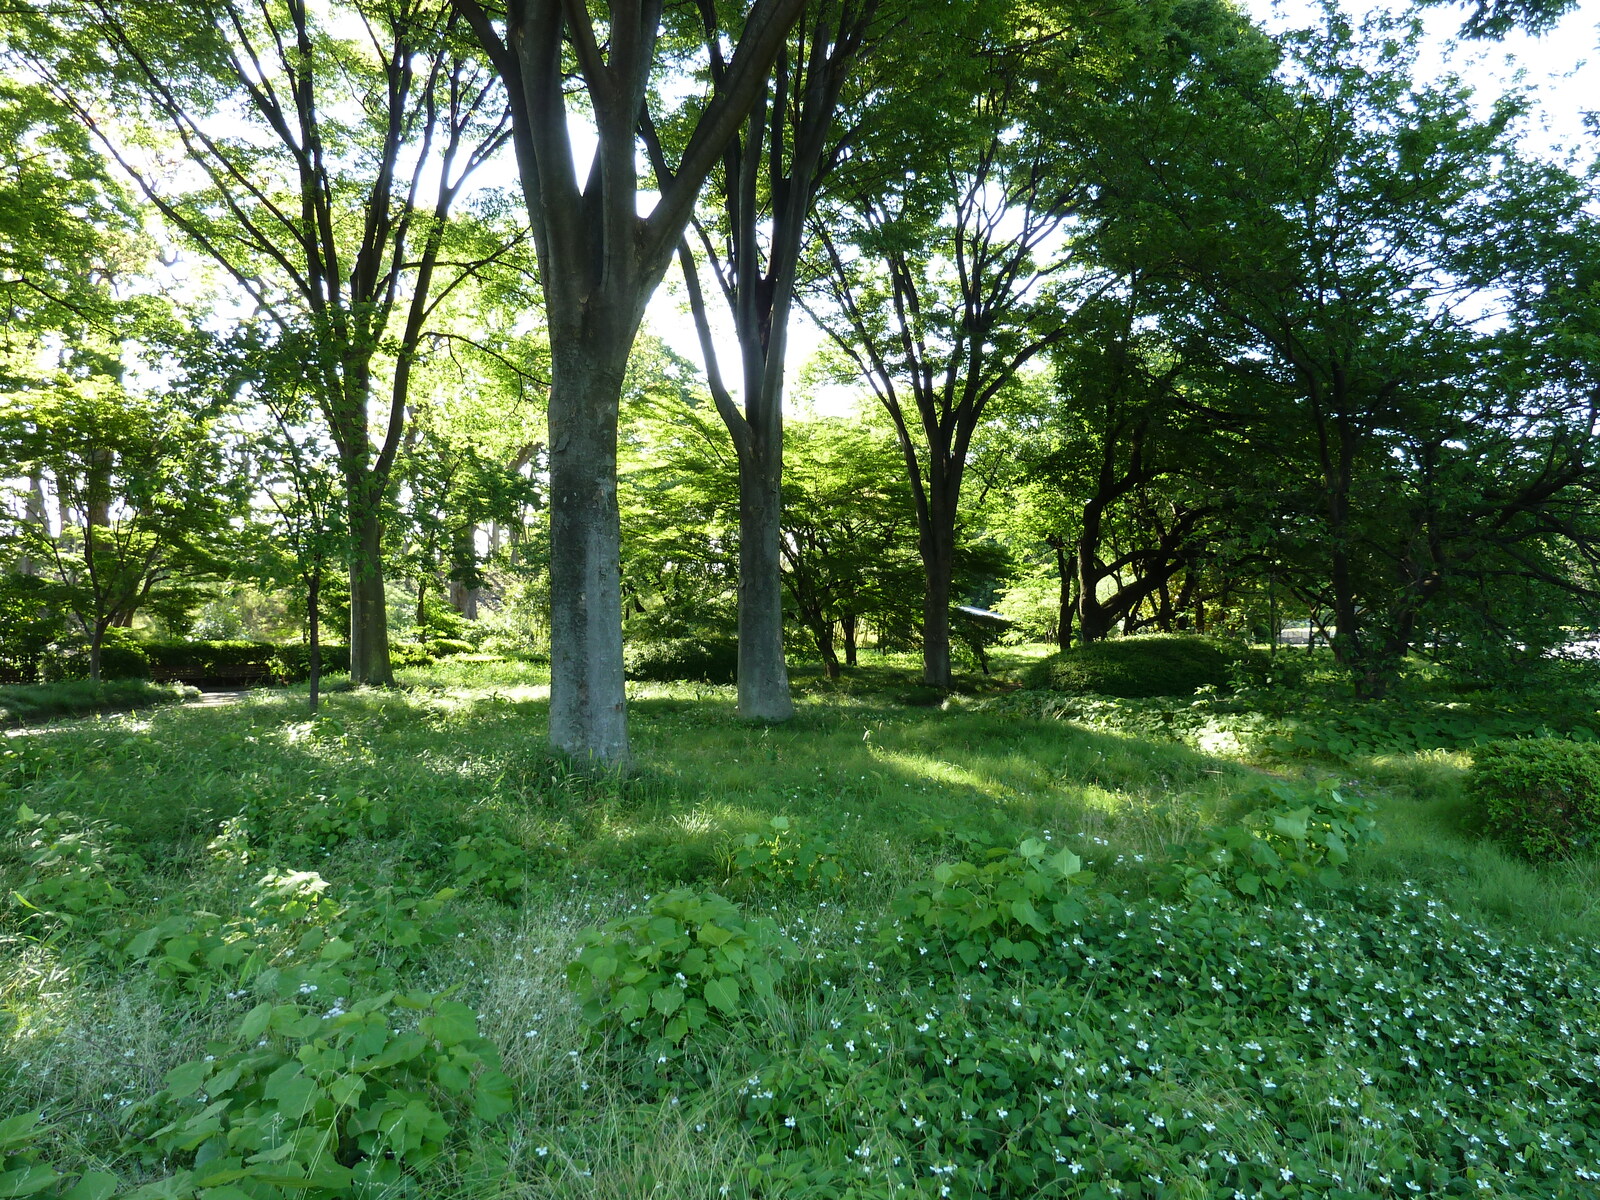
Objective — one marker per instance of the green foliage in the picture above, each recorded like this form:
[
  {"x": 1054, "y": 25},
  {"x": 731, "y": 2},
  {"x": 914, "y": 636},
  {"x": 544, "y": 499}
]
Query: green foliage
[
  {"x": 410, "y": 654},
  {"x": 366, "y": 932},
  {"x": 1342, "y": 727},
  {"x": 661, "y": 976},
  {"x": 121, "y": 657},
  {"x": 1539, "y": 796},
  {"x": 211, "y": 660},
  {"x": 319, "y": 823},
  {"x": 1301, "y": 834},
  {"x": 487, "y": 862},
  {"x": 351, "y": 1100},
  {"x": 32, "y": 616},
  {"x": 143, "y": 488},
  {"x": 781, "y": 860},
  {"x": 1135, "y": 667},
  {"x": 706, "y": 660},
  {"x": 23, "y": 1174},
  {"x": 1004, "y": 909},
  {"x": 292, "y": 663},
  {"x": 77, "y": 868}
]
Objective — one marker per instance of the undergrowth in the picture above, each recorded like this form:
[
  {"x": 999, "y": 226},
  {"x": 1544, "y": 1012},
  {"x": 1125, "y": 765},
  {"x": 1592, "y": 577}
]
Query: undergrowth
[
  {"x": 993, "y": 949},
  {"x": 31, "y": 703}
]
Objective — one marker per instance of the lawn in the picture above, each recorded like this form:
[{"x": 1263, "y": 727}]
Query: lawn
[{"x": 1010, "y": 946}]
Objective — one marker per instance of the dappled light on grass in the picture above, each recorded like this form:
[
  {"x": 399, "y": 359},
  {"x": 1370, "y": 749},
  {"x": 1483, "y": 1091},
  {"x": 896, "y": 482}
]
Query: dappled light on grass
[{"x": 425, "y": 841}]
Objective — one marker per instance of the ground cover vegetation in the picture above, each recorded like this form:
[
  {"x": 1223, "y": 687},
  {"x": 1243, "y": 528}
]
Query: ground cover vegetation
[
  {"x": 989, "y": 949},
  {"x": 1140, "y": 744}
]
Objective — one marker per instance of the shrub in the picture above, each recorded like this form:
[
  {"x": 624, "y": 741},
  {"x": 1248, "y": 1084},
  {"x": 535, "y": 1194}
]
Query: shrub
[
  {"x": 1299, "y": 834},
  {"x": 782, "y": 858},
  {"x": 1539, "y": 796},
  {"x": 292, "y": 664},
  {"x": 409, "y": 654},
  {"x": 1133, "y": 668},
  {"x": 347, "y": 1101},
  {"x": 705, "y": 660},
  {"x": 230, "y": 661},
  {"x": 31, "y": 617},
  {"x": 1007, "y": 908}
]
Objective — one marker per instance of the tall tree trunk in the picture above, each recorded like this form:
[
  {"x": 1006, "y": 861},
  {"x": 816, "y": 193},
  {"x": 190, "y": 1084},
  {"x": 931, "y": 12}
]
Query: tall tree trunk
[
  {"x": 823, "y": 632},
  {"x": 1094, "y": 620},
  {"x": 463, "y": 589},
  {"x": 763, "y": 672},
  {"x": 314, "y": 638},
  {"x": 848, "y": 625},
  {"x": 936, "y": 569},
  {"x": 34, "y": 512},
  {"x": 588, "y": 703},
  {"x": 1066, "y": 569},
  {"x": 369, "y": 617},
  {"x": 97, "y": 638},
  {"x": 937, "y": 541}
]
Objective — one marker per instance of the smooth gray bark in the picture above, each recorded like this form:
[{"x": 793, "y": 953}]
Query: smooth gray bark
[{"x": 588, "y": 715}]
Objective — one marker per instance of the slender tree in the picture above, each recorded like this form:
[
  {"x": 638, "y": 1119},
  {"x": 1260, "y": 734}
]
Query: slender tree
[
  {"x": 749, "y": 236},
  {"x": 139, "y": 487},
  {"x": 946, "y": 246},
  {"x": 325, "y": 152}
]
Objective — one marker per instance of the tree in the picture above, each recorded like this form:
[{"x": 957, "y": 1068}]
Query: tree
[
  {"x": 679, "y": 503},
  {"x": 66, "y": 230},
  {"x": 947, "y": 246},
  {"x": 322, "y": 173},
  {"x": 599, "y": 262},
  {"x": 750, "y": 239},
  {"x": 140, "y": 489},
  {"x": 1136, "y": 442},
  {"x": 1350, "y": 242},
  {"x": 848, "y": 541},
  {"x": 448, "y": 488}
]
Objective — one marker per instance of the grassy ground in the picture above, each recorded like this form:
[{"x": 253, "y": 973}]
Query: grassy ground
[
  {"x": 240, "y": 882},
  {"x": 30, "y": 704}
]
